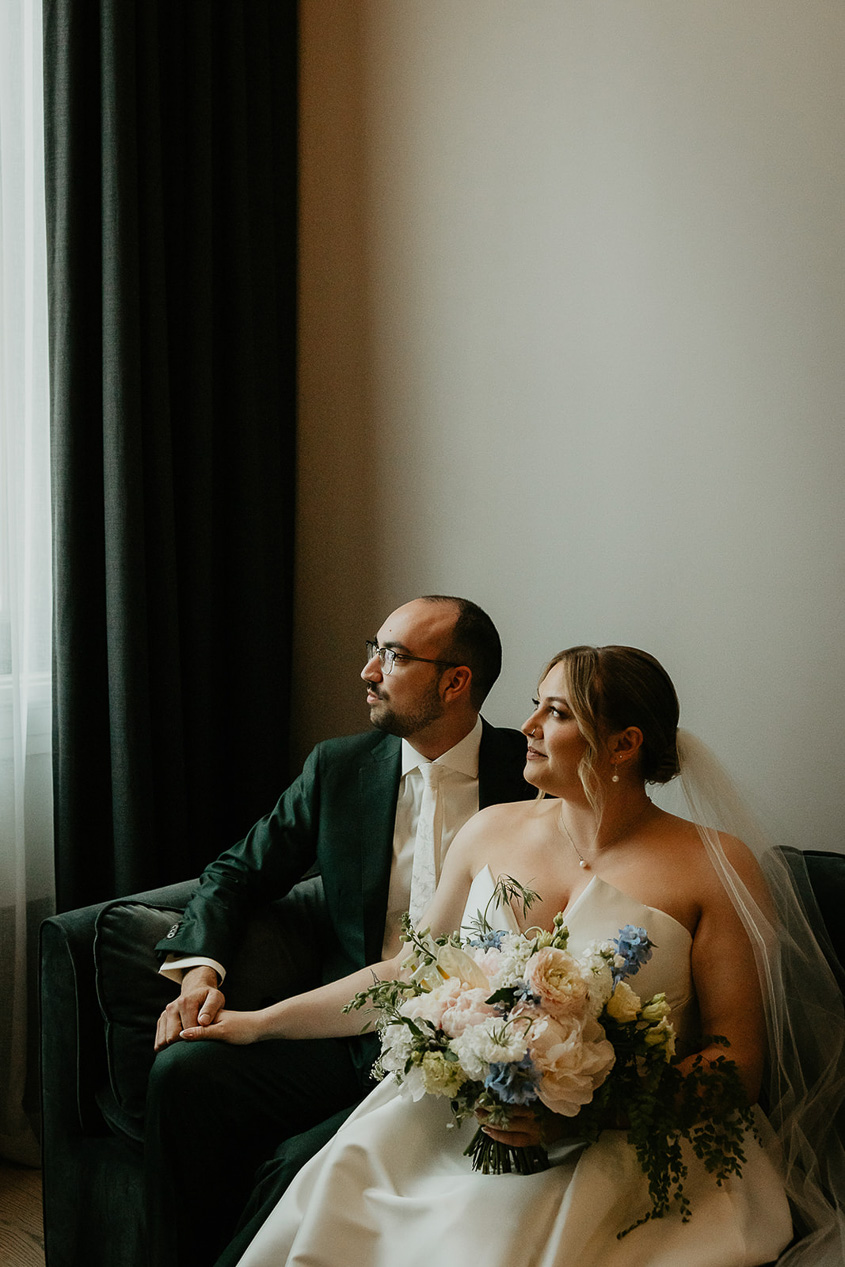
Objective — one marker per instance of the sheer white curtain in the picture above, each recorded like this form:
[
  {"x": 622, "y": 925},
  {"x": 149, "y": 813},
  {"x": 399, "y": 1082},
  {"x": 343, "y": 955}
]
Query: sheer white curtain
[{"x": 26, "y": 885}]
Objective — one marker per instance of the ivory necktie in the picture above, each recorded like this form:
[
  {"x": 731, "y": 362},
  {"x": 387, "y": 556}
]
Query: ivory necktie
[{"x": 427, "y": 843}]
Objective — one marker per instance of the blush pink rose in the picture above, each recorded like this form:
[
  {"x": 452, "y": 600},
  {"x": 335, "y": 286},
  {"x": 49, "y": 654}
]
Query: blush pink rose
[
  {"x": 466, "y": 1009},
  {"x": 431, "y": 1006},
  {"x": 557, "y": 980}
]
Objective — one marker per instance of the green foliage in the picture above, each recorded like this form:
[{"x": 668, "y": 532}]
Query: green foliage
[
  {"x": 506, "y": 890},
  {"x": 661, "y": 1107},
  {"x": 385, "y": 998}
]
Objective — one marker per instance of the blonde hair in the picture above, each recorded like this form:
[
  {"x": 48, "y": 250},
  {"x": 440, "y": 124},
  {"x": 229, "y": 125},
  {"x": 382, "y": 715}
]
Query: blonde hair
[{"x": 610, "y": 689}]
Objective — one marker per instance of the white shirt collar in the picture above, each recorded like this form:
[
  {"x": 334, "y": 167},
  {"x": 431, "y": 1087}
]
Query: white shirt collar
[{"x": 463, "y": 757}]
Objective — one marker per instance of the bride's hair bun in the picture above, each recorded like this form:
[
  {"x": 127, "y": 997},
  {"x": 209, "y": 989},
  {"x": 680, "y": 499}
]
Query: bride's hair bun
[{"x": 668, "y": 766}]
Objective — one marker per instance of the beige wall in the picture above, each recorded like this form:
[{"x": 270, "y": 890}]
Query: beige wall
[{"x": 573, "y": 322}]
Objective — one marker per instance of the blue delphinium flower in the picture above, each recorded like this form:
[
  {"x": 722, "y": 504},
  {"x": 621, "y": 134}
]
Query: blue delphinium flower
[
  {"x": 635, "y": 948},
  {"x": 488, "y": 941},
  {"x": 522, "y": 993},
  {"x": 514, "y": 1082}
]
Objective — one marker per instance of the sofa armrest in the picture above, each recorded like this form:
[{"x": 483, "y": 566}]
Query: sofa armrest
[
  {"x": 94, "y": 1026},
  {"x": 73, "y": 1057}
]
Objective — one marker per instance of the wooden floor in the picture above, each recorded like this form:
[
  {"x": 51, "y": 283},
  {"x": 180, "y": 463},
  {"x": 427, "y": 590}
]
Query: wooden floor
[{"x": 21, "y": 1233}]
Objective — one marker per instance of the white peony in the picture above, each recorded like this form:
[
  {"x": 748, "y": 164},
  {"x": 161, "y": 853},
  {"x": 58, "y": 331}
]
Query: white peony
[
  {"x": 574, "y": 1058},
  {"x": 492, "y": 1041}
]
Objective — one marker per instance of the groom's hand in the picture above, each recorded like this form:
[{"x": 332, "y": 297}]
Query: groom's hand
[
  {"x": 198, "y": 1003},
  {"x": 230, "y": 1027}
]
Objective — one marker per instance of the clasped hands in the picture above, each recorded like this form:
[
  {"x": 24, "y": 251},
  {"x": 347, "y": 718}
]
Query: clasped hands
[{"x": 199, "y": 1013}]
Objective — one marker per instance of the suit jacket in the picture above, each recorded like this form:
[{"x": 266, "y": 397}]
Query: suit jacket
[{"x": 338, "y": 814}]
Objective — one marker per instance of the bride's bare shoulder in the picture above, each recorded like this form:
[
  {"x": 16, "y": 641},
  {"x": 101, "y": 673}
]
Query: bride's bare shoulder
[
  {"x": 704, "y": 848},
  {"x": 509, "y": 813},
  {"x": 496, "y": 821}
]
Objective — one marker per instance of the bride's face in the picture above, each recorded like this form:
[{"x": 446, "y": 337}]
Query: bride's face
[{"x": 555, "y": 744}]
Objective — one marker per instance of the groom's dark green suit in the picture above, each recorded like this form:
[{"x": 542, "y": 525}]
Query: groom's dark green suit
[{"x": 338, "y": 814}]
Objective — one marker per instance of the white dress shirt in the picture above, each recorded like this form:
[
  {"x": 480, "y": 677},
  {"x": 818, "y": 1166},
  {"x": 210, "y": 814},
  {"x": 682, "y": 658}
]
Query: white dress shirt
[{"x": 458, "y": 798}]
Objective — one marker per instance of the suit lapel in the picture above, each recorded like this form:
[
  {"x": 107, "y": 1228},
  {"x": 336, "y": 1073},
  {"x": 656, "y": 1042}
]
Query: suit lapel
[{"x": 378, "y": 790}]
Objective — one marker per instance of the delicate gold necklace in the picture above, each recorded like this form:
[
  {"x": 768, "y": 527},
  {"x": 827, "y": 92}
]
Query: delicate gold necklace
[{"x": 582, "y": 861}]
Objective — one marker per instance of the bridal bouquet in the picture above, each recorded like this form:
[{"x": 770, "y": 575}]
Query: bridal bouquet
[{"x": 498, "y": 1019}]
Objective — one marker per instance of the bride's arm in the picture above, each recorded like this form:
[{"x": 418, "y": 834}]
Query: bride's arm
[
  {"x": 319, "y": 1013},
  {"x": 725, "y": 974},
  {"x": 315, "y": 1014}
]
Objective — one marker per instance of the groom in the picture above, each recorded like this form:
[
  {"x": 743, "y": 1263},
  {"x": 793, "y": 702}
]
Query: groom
[{"x": 215, "y": 1111}]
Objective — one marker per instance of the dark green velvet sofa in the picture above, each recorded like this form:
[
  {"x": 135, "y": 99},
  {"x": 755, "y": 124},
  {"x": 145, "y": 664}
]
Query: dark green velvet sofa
[
  {"x": 100, "y": 995},
  {"x": 100, "y": 992}
]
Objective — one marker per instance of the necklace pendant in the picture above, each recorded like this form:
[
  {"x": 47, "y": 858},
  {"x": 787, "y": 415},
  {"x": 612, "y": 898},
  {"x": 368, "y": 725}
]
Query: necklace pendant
[{"x": 584, "y": 864}]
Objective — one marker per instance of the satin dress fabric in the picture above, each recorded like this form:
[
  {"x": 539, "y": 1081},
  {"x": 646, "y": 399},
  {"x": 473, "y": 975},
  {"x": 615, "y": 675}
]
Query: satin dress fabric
[{"x": 394, "y": 1186}]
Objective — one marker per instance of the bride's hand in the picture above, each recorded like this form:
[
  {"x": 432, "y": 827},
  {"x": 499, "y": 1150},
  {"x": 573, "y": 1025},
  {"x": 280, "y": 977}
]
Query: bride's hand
[
  {"x": 522, "y": 1131},
  {"x": 228, "y": 1027}
]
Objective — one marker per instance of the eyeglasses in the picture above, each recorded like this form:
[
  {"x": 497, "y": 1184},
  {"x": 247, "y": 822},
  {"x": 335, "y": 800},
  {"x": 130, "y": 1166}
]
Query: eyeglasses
[{"x": 388, "y": 657}]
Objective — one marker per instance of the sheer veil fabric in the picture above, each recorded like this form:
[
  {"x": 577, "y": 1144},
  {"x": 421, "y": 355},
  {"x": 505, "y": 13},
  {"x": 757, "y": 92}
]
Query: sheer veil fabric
[{"x": 801, "y": 986}]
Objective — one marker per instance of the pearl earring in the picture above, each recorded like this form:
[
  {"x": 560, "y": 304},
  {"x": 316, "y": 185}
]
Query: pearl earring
[{"x": 615, "y": 776}]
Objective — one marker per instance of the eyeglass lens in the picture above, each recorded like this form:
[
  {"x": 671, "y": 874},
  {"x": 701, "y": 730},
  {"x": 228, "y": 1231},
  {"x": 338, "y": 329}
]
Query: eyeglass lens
[{"x": 385, "y": 654}]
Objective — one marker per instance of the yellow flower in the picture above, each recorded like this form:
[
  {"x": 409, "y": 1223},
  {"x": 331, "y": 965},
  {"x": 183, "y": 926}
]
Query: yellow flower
[
  {"x": 662, "y": 1035},
  {"x": 656, "y": 1009},
  {"x": 623, "y": 1005},
  {"x": 441, "y": 1076}
]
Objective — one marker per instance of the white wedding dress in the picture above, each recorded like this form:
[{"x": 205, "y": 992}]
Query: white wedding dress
[{"x": 394, "y": 1187}]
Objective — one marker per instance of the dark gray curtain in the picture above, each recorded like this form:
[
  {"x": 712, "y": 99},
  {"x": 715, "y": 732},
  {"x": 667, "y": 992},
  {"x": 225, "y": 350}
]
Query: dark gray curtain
[{"x": 171, "y": 205}]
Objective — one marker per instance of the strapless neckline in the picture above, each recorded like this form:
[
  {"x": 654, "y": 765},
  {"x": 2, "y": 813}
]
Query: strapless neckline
[{"x": 588, "y": 893}]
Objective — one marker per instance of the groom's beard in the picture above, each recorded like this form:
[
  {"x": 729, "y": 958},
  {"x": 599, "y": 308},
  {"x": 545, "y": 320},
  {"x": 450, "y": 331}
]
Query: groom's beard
[{"x": 409, "y": 721}]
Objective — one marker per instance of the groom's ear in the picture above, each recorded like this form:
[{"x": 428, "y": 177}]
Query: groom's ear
[{"x": 456, "y": 683}]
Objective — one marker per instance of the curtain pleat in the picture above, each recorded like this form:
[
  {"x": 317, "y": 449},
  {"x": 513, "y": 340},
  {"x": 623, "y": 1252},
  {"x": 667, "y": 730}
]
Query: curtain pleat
[{"x": 171, "y": 204}]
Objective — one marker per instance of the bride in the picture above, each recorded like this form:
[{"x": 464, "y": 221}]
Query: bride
[{"x": 394, "y": 1181}]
